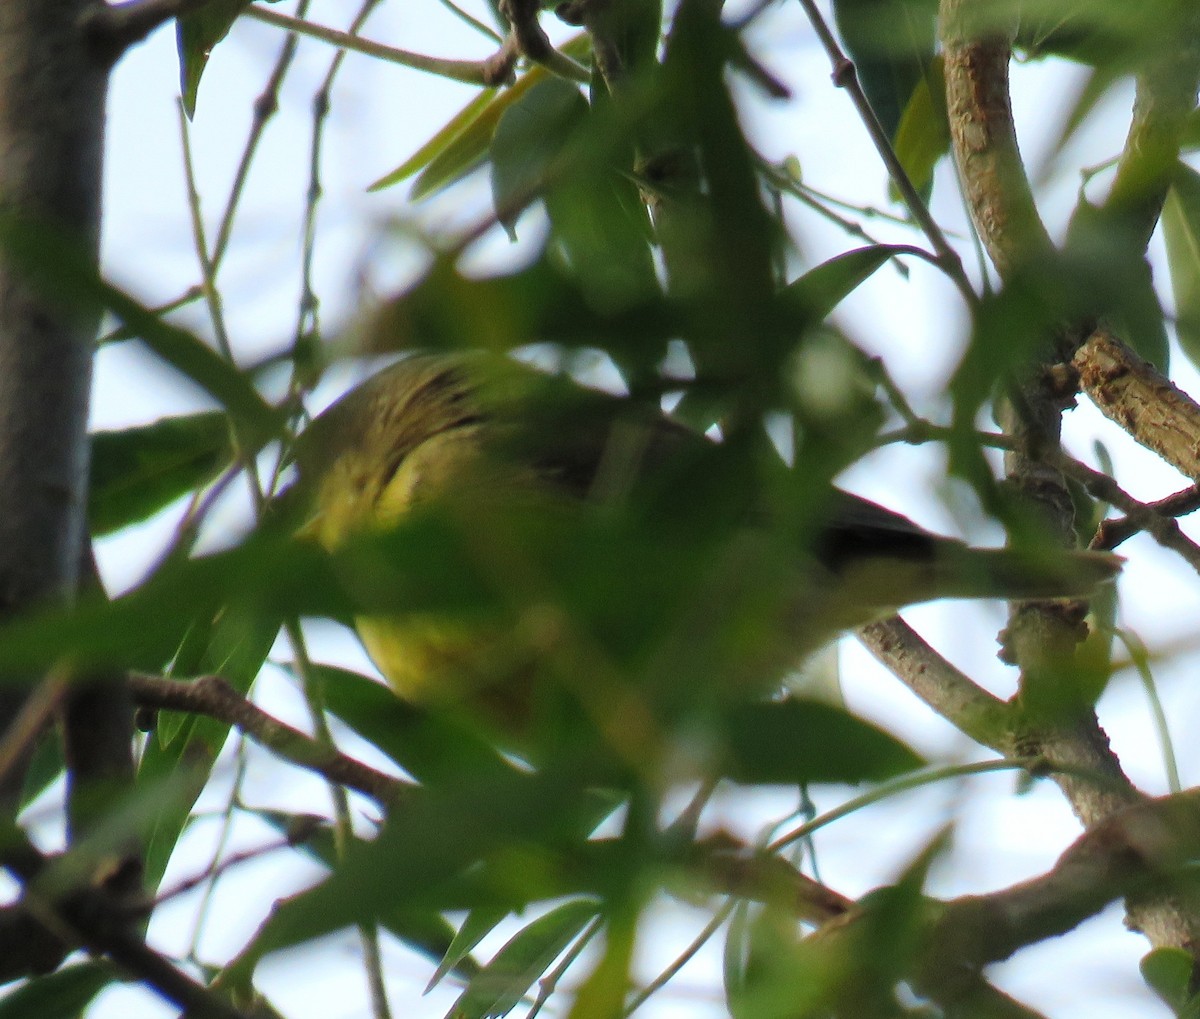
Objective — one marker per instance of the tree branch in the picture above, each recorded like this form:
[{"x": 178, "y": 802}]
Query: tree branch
[
  {"x": 1166, "y": 94},
  {"x": 112, "y": 29},
  {"x": 90, "y": 918},
  {"x": 846, "y": 76},
  {"x": 984, "y": 137},
  {"x": 952, "y": 694},
  {"x": 212, "y": 696},
  {"x": 1139, "y": 398}
]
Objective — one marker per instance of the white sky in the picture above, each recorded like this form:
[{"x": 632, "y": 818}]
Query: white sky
[{"x": 380, "y": 114}]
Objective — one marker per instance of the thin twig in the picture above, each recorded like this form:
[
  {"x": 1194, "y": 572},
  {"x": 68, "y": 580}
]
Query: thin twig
[
  {"x": 845, "y": 76},
  {"x": 264, "y": 109},
  {"x": 470, "y": 72},
  {"x": 212, "y": 696}
]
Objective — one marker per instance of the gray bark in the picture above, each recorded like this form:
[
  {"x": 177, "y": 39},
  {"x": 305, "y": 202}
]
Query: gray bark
[{"x": 52, "y": 94}]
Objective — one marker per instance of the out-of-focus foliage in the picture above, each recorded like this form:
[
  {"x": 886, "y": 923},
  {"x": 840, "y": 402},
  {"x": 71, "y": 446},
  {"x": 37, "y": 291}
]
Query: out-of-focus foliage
[{"x": 665, "y": 262}]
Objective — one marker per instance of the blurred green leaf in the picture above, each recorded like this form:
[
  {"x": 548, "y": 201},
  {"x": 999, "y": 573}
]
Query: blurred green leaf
[
  {"x": 1181, "y": 230},
  {"x": 923, "y": 135},
  {"x": 529, "y": 140},
  {"x": 430, "y": 746},
  {"x": 64, "y": 994},
  {"x": 138, "y": 471},
  {"x": 447, "y": 310},
  {"x": 499, "y": 985},
  {"x": 47, "y": 764},
  {"x": 62, "y": 268},
  {"x": 265, "y": 579},
  {"x": 237, "y": 646},
  {"x": 770, "y": 973},
  {"x": 891, "y": 43},
  {"x": 811, "y": 298},
  {"x": 791, "y": 742},
  {"x": 720, "y": 245},
  {"x": 1168, "y": 972},
  {"x": 462, "y": 144},
  {"x": 477, "y": 925},
  {"x": 196, "y": 33},
  {"x": 427, "y": 841}
]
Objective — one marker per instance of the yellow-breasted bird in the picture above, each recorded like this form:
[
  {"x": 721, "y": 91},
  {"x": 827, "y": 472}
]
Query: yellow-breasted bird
[{"x": 481, "y": 435}]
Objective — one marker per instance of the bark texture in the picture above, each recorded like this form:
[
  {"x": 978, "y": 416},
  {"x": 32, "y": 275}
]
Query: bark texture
[{"x": 52, "y": 93}]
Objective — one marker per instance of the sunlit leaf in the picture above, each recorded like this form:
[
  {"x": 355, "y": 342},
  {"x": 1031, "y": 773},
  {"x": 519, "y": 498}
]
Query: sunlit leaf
[
  {"x": 462, "y": 143},
  {"x": 923, "y": 135},
  {"x": 891, "y": 43},
  {"x": 1168, "y": 972},
  {"x": 469, "y": 130},
  {"x": 1181, "y": 230}
]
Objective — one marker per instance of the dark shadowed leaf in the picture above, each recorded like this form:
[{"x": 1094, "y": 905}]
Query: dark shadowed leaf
[
  {"x": 138, "y": 471},
  {"x": 793, "y": 741},
  {"x": 479, "y": 923},
  {"x": 426, "y": 843},
  {"x": 196, "y": 33},
  {"x": 891, "y": 43},
  {"x": 812, "y": 297},
  {"x": 61, "y": 995},
  {"x": 424, "y": 743},
  {"x": 447, "y": 310},
  {"x": 529, "y": 139}
]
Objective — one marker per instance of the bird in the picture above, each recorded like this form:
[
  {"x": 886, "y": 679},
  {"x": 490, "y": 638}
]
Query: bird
[{"x": 486, "y": 438}]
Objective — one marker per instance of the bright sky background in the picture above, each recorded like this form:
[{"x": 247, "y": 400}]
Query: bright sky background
[{"x": 380, "y": 114}]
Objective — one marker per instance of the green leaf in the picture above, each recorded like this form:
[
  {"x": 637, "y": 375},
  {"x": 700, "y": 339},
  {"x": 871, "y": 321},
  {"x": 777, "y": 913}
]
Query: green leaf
[
  {"x": 63, "y": 269},
  {"x": 237, "y": 646},
  {"x": 720, "y": 245},
  {"x": 529, "y": 140},
  {"x": 1168, "y": 972},
  {"x": 923, "y": 135},
  {"x": 793, "y": 741},
  {"x": 479, "y": 923},
  {"x": 462, "y": 144},
  {"x": 1181, "y": 230},
  {"x": 47, "y": 764},
  {"x": 266, "y": 578},
  {"x": 428, "y": 745},
  {"x": 813, "y": 296},
  {"x": 138, "y": 471},
  {"x": 64, "y": 994},
  {"x": 466, "y": 135},
  {"x": 196, "y": 33},
  {"x": 891, "y": 43},
  {"x": 446, "y": 310},
  {"x": 499, "y": 986},
  {"x": 428, "y": 840}
]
